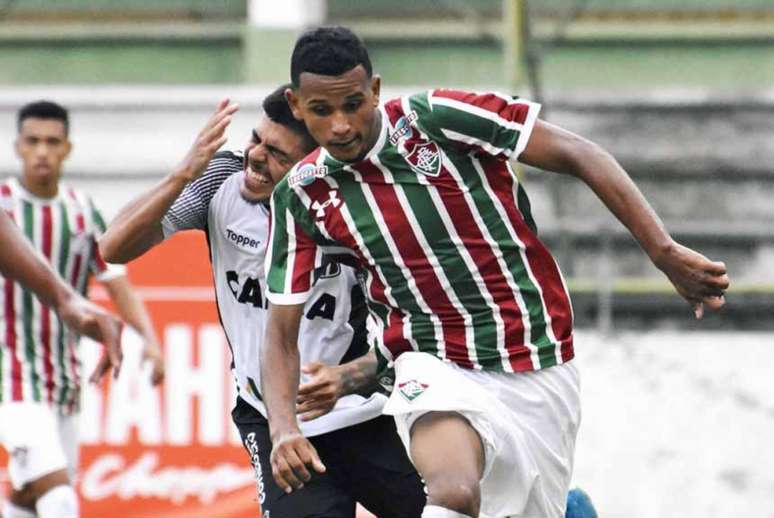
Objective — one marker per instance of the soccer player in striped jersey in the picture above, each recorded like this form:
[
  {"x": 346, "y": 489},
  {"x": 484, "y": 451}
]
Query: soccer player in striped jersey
[
  {"x": 469, "y": 306},
  {"x": 39, "y": 365},
  {"x": 226, "y": 196}
]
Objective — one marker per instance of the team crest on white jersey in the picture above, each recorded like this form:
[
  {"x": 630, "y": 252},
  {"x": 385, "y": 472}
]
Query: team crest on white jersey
[
  {"x": 306, "y": 174},
  {"x": 425, "y": 158},
  {"x": 412, "y": 389},
  {"x": 333, "y": 200}
]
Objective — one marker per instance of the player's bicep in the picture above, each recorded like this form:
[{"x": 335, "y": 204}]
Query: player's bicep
[{"x": 553, "y": 149}]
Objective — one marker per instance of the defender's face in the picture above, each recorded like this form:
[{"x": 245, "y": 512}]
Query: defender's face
[
  {"x": 340, "y": 112},
  {"x": 43, "y": 146},
  {"x": 270, "y": 153}
]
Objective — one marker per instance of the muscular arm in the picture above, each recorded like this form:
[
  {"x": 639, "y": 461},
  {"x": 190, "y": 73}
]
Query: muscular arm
[
  {"x": 291, "y": 452},
  {"x": 137, "y": 227},
  {"x": 696, "y": 278}
]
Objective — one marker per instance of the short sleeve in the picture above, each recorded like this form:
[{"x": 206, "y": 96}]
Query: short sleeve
[
  {"x": 291, "y": 253},
  {"x": 190, "y": 209},
  {"x": 489, "y": 123}
]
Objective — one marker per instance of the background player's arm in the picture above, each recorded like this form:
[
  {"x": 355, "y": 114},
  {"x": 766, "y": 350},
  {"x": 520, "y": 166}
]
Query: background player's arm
[
  {"x": 20, "y": 261},
  {"x": 330, "y": 382},
  {"x": 696, "y": 278},
  {"x": 133, "y": 312},
  {"x": 291, "y": 452},
  {"x": 137, "y": 227}
]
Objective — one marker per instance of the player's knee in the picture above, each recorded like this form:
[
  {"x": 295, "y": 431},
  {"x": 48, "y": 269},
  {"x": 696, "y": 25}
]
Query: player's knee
[{"x": 459, "y": 494}]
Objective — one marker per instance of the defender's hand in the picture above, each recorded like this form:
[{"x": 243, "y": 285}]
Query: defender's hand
[
  {"x": 697, "y": 279},
  {"x": 208, "y": 141},
  {"x": 291, "y": 456},
  {"x": 318, "y": 396}
]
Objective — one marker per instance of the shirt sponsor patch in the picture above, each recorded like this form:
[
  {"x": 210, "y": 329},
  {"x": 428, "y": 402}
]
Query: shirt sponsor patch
[
  {"x": 403, "y": 127},
  {"x": 242, "y": 239},
  {"x": 306, "y": 174}
]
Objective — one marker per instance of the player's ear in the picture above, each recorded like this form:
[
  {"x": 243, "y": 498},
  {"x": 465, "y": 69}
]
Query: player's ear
[
  {"x": 294, "y": 102},
  {"x": 376, "y": 87}
]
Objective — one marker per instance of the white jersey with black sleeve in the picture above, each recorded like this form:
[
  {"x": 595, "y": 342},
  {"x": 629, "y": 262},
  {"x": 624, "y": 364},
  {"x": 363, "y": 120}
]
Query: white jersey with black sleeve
[{"x": 333, "y": 325}]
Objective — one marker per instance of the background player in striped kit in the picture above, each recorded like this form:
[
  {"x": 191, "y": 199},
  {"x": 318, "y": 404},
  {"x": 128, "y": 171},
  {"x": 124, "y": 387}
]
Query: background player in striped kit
[
  {"x": 39, "y": 364},
  {"x": 225, "y": 196},
  {"x": 467, "y": 301}
]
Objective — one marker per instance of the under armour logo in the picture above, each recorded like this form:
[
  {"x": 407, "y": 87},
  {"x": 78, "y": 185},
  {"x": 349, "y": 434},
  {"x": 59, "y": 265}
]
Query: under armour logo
[{"x": 333, "y": 199}]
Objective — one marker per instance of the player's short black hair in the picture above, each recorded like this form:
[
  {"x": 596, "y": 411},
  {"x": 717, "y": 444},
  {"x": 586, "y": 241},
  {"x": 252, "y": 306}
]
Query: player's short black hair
[
  {"x": 328, "y": 51},
  {"x": 277, "y": 109},
  {"x": 43, "y": 110}
]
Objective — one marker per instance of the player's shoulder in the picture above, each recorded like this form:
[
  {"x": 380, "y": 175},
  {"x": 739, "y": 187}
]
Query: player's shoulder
[{"x": 226, "y": 162}]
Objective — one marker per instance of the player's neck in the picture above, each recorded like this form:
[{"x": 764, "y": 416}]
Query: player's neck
[{"x": 41, "y": 189}]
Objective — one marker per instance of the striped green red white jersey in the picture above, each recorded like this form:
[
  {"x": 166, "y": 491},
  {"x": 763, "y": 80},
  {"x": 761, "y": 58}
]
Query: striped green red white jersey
[
  {"x": 38, "y": 354},
  {"x": 437, "y": 220}
]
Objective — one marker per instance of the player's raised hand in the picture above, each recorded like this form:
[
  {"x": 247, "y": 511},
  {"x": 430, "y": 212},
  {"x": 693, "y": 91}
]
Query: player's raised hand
[
  {"x": 318, "y": 396},
  {"x": 291, "y": 457},
  {"x": 86, "y": 318},
  {"x": 697, "y": 279},
  {"x": 211, "y": 137}
]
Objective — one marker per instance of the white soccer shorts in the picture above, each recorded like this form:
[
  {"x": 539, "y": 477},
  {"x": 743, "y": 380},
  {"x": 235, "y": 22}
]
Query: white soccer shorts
[
  {"x": 527, "y": 421},
  {"x": 38, "y": 440}
]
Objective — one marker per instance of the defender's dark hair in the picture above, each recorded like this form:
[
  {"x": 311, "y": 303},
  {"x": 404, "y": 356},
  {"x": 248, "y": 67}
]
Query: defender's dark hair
[
  {"x": 328, "y": 51},
  {"x": 277, "y": 109},
  {"x": 43, "y": 110}
]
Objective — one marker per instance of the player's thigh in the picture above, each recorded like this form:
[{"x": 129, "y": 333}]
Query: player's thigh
[
  {"x": 445, "y": 448},
  {"x": 382, "y": 476},
  {"x": 30, "y": 435},
  {"x": 320, "y": 497}
]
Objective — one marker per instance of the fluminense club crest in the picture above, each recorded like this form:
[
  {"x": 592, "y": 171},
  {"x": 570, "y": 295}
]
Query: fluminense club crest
[
  {"x": 425, "y": 158},
  {"x": 412, "y": 389}
]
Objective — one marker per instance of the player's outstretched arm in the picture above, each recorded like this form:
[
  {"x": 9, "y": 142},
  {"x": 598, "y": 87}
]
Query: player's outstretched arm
[
  {"x": 137, "y": 227},
  {"x": 291, "y": 453},
  {"x": 328, "y": 383},
  {"x": 697, "y": 279},
  {"x": 21, "y": 262}
]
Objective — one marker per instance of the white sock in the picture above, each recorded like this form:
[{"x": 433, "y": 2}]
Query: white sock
[
  {"x": 59, "y": 502},
  {"x": 433, "y": 511},
  {"x": 14, "y": 511}
]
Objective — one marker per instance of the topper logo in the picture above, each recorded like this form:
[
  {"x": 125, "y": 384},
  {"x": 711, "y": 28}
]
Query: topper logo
[{"x": 333, "y": 199}]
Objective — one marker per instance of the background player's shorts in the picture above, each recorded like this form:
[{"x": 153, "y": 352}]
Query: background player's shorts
[
  {"x": 38, "y": 440},
  {"x": 364, "y": 463},
  {"x": 527, "y": 422}
]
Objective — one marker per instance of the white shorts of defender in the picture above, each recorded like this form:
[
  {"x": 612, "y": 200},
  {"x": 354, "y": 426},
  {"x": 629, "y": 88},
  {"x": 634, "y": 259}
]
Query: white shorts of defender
[
  {"x": 527, "y": 422},
  {"x": 38, "y": 441}
]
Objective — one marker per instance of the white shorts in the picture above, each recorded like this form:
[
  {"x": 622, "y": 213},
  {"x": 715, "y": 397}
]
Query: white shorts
[
  {"x": 527, "y": 422},
  {"x": 38, "y": 440}
]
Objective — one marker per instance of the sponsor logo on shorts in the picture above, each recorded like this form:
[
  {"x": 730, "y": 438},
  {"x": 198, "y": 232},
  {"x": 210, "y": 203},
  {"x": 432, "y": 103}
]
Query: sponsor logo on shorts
[
  {"x": 403, "y": 127},
  {"x": 252, "y": 447},
  {"x": 306, "y": 174},
  {"x": 412, "y": 389}
]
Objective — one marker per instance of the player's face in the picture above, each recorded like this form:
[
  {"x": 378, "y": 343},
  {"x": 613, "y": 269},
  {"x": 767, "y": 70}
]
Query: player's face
[
  {"x": 42, "y": 145},
  {"x": 270, "y": 153},
  {"x": 339, "y": 111}
]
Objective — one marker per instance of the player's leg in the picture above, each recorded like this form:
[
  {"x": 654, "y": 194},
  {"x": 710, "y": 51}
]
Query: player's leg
[
  {"x": 321, "y": 497},
  {"x": 448, "y": 454},
  {"x": 380, "y": 475},
  {"x": 37, "y": 464}
]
